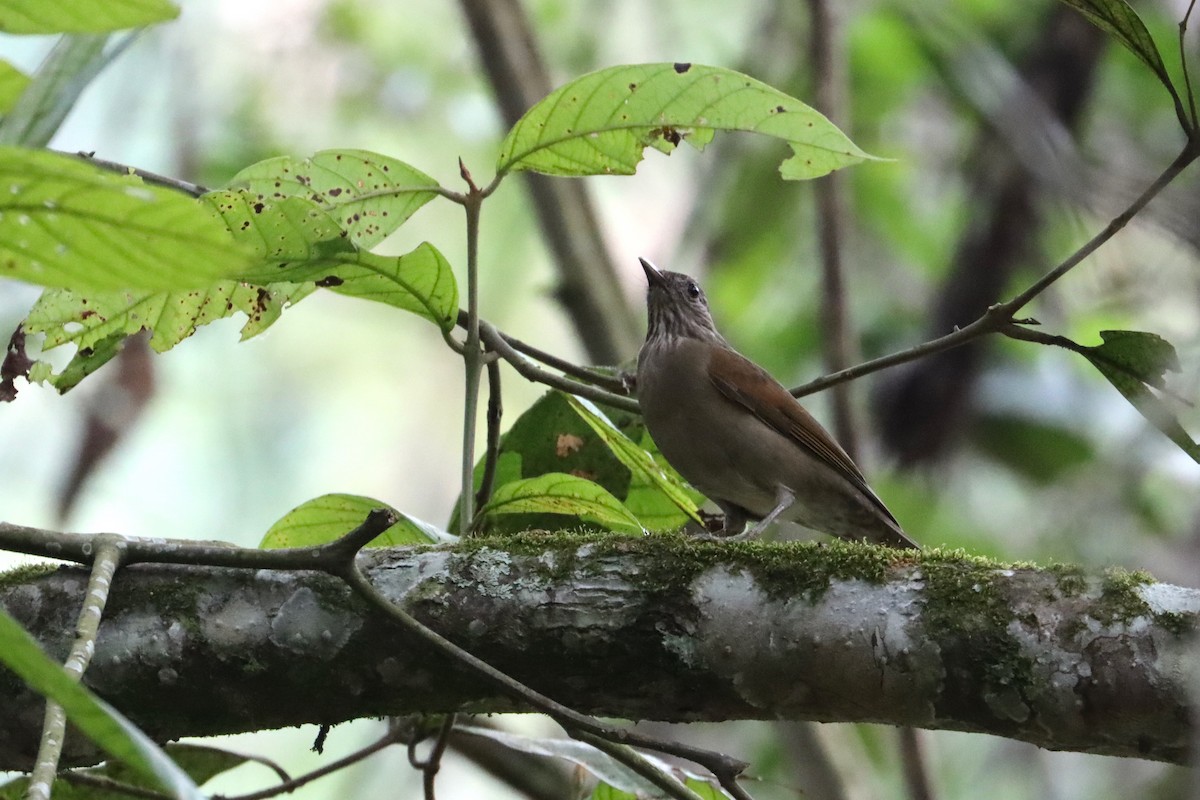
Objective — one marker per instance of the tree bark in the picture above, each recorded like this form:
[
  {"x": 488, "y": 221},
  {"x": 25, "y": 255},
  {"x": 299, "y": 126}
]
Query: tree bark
[{"x": 658, "y": 628}]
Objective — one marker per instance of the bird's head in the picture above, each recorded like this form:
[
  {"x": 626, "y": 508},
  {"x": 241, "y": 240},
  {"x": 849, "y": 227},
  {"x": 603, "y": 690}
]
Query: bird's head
[{"x": 677, "y": 307}]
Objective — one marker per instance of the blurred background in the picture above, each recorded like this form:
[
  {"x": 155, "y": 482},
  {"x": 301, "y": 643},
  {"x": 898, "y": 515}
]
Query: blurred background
[{"x": 1016, "y": 131}]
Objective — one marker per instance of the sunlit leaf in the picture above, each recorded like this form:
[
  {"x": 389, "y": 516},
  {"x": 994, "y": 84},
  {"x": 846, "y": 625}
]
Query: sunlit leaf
[
  {"x": 331, "y": 516},
  {"x": 97, "y": 324},
  {"x": 1134, "y": 361},
  {"x": 559, "y": 493},
  {"x": 101, "y": 723},
  {"x": 299, "y": 242},
  {"x": 81, "y": 16},
  {"x": 368, "y": 194},
  {"x": 601, "y": 123},
  {"x": 65, "y": 223}
]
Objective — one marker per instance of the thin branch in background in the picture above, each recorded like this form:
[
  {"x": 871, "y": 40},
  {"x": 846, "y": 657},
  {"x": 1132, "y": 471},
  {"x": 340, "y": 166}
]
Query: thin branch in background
[
  {"x": 1001, "y": 314},
  {"x": 193, "y": 189},
  {"x": 828, "y": 60},
  {"x": 391, "y": 737},
  {"x": 108, "y": 557},
  {"x": 1183, "y": 62},
  {"x": 431, "y": 765},
  {"x": 495, "y": 411},
  {"x": 912, "y": 762}
]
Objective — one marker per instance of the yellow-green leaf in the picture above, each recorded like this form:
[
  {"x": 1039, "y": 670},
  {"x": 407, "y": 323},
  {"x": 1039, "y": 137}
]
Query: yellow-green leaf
[
  {"x": 65, "y": 223},
  {"x": 559, "y": 493},
  {"x": 368, "y": 194},
  {"x": 81, "y": 16},
  {"x": 331, "y": 516},
  {"x": 601, "y": 123}
]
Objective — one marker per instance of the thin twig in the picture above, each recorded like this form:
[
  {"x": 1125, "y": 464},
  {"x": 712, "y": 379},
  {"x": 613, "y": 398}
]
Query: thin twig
[
  {"x": 584, "y": 374},
  {"x": 192, "y": 189},
  {"x": 719, "y": 764},
  {"x": 1187, "y": 78},
  {"x": 996, "y": 317},
  {"x": 108, "y": 555},
  {"x": 433, "y": 764},
  {"x": 530, "y": 371},
  {"x": 495, "y": 411},
  {"x": 393, "y": 736}
]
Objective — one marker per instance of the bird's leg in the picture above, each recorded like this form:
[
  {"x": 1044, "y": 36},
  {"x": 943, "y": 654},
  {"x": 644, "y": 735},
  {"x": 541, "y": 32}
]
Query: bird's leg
[
  {"x": 784, "y": 499},
  {"x": 735, "y": 521}
]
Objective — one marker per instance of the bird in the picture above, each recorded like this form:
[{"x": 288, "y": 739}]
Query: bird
[{"x": 737, "y": 435}]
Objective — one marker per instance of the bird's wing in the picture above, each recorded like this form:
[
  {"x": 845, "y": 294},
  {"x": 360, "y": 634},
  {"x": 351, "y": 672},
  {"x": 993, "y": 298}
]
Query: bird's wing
[{"x": 743, "y": 382}]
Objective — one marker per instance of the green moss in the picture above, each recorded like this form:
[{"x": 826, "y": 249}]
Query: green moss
[
  {"x": 1176, "y": 623},
  {"x": 1071, "y": 579},
  {"x": 968, "y": 614},
  {"x": 25, "y": 574},
  {"x": 1120, "y": 600}
]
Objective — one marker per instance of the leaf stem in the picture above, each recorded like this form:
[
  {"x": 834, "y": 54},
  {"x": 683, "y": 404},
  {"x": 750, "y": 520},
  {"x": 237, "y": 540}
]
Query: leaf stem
[{"x": 472, "y": 353}]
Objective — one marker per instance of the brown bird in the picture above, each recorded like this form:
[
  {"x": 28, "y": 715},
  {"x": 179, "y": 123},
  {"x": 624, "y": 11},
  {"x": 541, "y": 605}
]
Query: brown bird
[{"x": 737, "y": 435}]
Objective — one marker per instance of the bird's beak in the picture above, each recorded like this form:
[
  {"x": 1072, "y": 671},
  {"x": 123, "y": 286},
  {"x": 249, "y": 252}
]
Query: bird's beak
[{"x": 654, "y": 276}]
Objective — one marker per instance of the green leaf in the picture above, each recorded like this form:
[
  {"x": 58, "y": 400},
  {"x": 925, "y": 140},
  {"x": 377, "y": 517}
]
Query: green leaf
[
  {"x": 370, "y": 195},
  {"x": 559, "y": 493},
  {"x": 1133, "y": 361},
  {"x": 98, "y": 324},
  {"x": 1117, "y": 18},
  {"x": 331, "y": 516},
  {"x": 12, "y": 83},
  {"x": 299, "y": 242},
  {"x": 59, "y": 81},
  {"x": 640, "y": 463},
  {"x": 601, "y": 123},
  {"x": 81, "y": 16},
  {"x": 551, "y": 436},
  {"x": 101, "y": 723},
  {"x": 65, "y": 223}
]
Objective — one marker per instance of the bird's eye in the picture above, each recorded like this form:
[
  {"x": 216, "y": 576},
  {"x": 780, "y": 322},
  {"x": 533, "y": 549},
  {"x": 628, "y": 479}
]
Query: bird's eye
[{"x": 693, "y": 290}]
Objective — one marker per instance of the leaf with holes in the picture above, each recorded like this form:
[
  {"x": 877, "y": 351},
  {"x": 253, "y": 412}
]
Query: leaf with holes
[
  {"x": 368, "y": 194},
  {"x": 600, "y": 124},
  {"x": 97, "y": 324},
  {"x": 39, "y": 16},
  {"x": 1134, "y": 361},
  {"x": 328, "y": 517},
  {"x": 64, "y": 223},
  {"x": 559, "y": 493},
  {"x": 301, "y": 243}
]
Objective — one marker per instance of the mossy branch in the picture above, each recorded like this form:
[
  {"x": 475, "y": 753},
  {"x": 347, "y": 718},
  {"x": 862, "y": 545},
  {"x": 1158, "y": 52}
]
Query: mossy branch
[{"x": 661, "y": 627}]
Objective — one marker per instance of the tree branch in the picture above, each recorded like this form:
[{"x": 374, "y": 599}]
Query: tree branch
[{"x": 711, "y": 631}]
